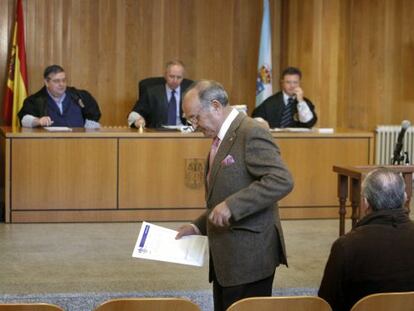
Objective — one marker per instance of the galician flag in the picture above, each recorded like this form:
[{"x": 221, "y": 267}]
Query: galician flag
[
  {"x": 17, "y": 86},
  {"x": 264, "y": 68}
]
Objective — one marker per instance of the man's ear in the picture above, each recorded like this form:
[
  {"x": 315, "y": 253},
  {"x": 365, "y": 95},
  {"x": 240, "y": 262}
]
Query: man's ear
[
  {"x": 216, "y": 105},
  {"x": 367, "y": 208}
]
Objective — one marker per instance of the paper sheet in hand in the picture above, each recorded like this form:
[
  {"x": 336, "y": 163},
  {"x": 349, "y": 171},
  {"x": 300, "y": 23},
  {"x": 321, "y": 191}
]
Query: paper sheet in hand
[{"x": 159, "y": 243}]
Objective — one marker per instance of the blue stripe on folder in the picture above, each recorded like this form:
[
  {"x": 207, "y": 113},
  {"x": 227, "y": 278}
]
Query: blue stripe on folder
[{"x": 144, "y": 236}]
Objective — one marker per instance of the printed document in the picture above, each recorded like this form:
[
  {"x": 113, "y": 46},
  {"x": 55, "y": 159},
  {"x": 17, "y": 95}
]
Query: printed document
[
  {"x": 58, "y": 129},
  {"x": 159, "y": 243}
]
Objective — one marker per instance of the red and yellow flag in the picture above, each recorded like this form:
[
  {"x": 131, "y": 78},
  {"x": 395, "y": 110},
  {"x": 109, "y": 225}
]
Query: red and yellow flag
[{"x": 17, "y": 86}]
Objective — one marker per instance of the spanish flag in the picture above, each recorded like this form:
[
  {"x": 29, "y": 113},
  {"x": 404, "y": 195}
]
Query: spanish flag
[{"x": 17, "y": 86}]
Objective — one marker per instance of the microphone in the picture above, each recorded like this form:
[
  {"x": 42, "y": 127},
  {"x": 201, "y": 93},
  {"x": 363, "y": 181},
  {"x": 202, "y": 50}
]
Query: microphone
[{"x": 400, "y": 141}]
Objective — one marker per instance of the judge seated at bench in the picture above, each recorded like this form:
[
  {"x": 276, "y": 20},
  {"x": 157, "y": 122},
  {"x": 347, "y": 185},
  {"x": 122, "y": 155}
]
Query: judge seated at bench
[
  {"x": 160, "y": 99},
  {"x": 59, "y": 105},
  {"x": 289, "y": 107}
]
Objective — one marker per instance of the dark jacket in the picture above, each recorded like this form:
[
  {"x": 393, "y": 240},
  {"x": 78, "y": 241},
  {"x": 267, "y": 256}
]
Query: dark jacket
[
  {"x": 153, "y": 105},
  {"x": 36, "y": 104},
  {"x": 272, "y": 108},
  {"x": 376, "y": 256}
]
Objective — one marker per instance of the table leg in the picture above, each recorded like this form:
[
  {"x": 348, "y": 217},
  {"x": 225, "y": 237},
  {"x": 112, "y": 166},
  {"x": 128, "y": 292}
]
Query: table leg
[
  {"x": 342, "y": 195},
  {"x": 355, "y": 197}
]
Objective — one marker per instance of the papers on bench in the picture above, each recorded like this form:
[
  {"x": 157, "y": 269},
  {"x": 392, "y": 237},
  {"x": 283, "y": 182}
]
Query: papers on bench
[
  {"x": 159, "y": 243},
  {"x": 291, "y": 129},
  {"x": 58, "y": 129}
]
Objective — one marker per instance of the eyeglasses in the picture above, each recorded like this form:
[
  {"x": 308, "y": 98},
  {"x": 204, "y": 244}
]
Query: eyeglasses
[
  {"x": 195, "y": 118},
  {"x": 57, "y": 81}
]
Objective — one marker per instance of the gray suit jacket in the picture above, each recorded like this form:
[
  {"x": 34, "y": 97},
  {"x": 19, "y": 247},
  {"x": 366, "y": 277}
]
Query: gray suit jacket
[{"x": 252, "y": 246}]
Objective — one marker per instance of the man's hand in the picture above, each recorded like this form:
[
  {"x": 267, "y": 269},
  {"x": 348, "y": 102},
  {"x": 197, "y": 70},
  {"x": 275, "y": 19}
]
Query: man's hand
[
  {"x": 44, "y": 121},
  {"x": 220, "y": 215},
  {"x": 184, "y": 230},
  {"x": 299, "y": 94},
  {"x": 139, "y": 122}
]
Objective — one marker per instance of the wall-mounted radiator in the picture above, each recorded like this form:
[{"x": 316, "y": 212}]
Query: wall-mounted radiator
[{"x": 386, "y": 138}]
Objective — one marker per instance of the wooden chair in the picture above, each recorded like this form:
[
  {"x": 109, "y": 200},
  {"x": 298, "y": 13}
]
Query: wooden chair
[
  {"x": 386, "y": 302},
  {"x": 29, "y": 307},
  {"x": 148, "y": 304},
  {"x": 287, "y": 303}
]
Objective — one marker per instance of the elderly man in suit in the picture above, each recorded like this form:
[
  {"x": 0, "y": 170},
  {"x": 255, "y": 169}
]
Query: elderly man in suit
[
  {"x": 245, "y": 177},
  {"x": 377, "y": 256},
  {"x": 161, "y": 104}
]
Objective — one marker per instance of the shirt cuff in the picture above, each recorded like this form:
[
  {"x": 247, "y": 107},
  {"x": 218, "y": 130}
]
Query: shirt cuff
[
  {"x": 28, "y": 120},
  {"x": 90, "y": 124},
  {"x": 304, "y": 112},
  {"x": 196, "y": 229}
]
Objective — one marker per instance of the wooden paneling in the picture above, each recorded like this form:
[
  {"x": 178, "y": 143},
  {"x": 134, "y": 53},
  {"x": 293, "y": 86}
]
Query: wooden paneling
[
  {"x": 152, "y": 173},
  {"x": 356, "y": 56},
  {"x": 311, "y": 41},
  {"x": 59, "y": 174},
  {"x": 120, "y": 174},
  {"x": 315, "y": 182},
  {"x": 107, "y": 46}
]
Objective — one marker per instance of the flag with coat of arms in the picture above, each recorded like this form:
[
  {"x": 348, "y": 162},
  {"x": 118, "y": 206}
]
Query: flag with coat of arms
[{"x": 264, "y": 68}]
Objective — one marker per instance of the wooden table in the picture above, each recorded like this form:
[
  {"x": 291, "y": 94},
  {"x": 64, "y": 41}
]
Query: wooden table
[
  {"x": 119, "y": 174},
  {"x": 353, "y": 176}
]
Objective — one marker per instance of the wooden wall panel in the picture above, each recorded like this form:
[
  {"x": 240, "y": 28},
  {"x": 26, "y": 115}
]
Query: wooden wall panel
[
  {"x": 107, "y": 46},
  {"x": 311, "y": 42},
  {"x": 356, "y": 56}
]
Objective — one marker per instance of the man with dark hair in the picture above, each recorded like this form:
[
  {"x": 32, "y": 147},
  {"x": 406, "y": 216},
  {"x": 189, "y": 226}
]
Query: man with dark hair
[
  {"x": 58, "y": 105},
  {"x": 378, "y": 254},
  {"x": 245, "y": 178},
  {"x": 287, "y": 108},
  {"x": 161, "y": 104}
]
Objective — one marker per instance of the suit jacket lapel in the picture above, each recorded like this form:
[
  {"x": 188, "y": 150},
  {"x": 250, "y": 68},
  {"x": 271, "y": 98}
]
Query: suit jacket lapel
[
  {"x": 223, "y": 150},
  {"x": 162, "y": 99}
]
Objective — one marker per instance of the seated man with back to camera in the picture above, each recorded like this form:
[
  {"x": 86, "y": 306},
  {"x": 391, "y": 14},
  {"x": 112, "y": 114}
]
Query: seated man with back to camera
[
  {"x": 161, "y": 104},
  {"x": 59, "y": 105},
  {"x": 287, "y": 108},
  {"x": 377, "y": 256}
]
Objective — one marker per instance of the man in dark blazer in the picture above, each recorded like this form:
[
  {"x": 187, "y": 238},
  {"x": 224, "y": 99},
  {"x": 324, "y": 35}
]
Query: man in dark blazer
[
  {"x": 245, "y": 178},
  {"x": 378, "y": 254},
  {"x": 287, "y": 108},
  {"x": 161, "y": 104},
  {"x": 59, "y": 105}
]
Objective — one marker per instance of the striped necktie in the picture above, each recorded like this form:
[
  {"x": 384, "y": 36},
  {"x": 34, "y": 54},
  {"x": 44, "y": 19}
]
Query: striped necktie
[{"x": 287, "y": 115}]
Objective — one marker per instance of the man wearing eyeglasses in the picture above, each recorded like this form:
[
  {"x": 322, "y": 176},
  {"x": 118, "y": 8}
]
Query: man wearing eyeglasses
[
  {"x": 59, "y": 105},
  {"x": 245, "y": 178},
  {"x": 289, "y": 107}
]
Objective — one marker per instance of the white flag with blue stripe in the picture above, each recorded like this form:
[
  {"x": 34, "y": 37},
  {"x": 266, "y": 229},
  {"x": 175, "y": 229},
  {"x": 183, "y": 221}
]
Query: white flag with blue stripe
[{"x": 264, "y": 68}]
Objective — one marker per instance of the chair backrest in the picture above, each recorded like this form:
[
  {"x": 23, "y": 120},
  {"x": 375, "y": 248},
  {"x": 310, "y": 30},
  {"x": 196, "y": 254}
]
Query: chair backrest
[
  {"x": 29, "y": 307},
  {"x": 144, "y": 84},
  {"x": 283, "y": 303},
  {"x": 148, "y": 304},
  {"x": 386, "y": 301}
]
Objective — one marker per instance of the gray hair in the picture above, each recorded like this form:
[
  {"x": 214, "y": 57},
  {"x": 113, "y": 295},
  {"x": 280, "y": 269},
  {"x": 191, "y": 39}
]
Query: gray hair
[
  {"x": 209, "y": 90},
  {"x": 384, "y": 189},
  {"x": 174, "y": 62}
]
